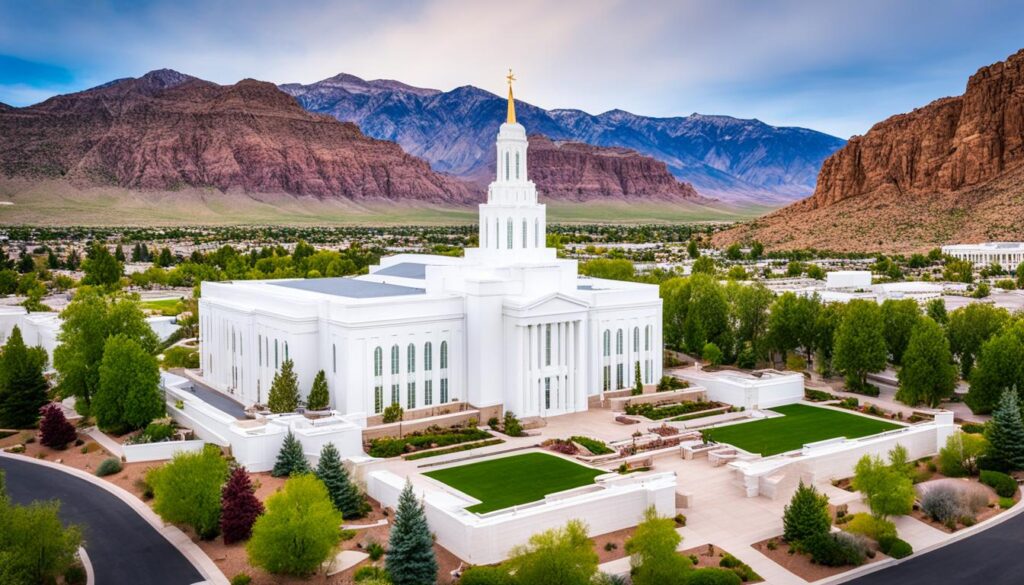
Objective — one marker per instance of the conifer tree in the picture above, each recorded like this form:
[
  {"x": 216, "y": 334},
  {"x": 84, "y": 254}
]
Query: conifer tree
[
  {"x": 1005, "y": 433},
  {"x": 806, "y": 515},
  {"x": 55, "y": 431},
  {"x": 119, "y": 253},
  {"x": 638, "y": 381},
  {"x": 284, "y": 390},
  {"x": 290, "y": 460},
  {"x": 239, "y": 507},
  {"x": 23, "y": 388},
  {"x": 343, "y": 491},
  {"x": 410, "y": 559},
  {"x": 319, "y": 398}
]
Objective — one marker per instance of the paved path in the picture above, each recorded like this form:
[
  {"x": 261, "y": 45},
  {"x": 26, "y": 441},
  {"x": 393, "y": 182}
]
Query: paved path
[
  {"x": 991, "y": 556},
  {"x": 124, "y": 548}
]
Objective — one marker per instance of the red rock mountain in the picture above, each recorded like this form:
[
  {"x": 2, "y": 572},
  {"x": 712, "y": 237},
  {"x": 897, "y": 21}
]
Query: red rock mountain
[
  {"x": 574, "y": 171},
  {"x": 166, "y": 130},
  {"x": 948, "y": 172}
]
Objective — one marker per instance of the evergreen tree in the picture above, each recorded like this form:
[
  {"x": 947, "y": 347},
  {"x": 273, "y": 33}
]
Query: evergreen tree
[
  {"x": 806, "y": 515},
  {"x": 410, "y": 559},
  {"x": 1005, "y": 433},
  {"x": 239, "y": 507},
  {"x": 119, "y": 254},
  {"x": 55, "y": 431},
  {"x": 284, "y": 390},
  {"x": 343, "y": 491},
  {"x": 290, "y": 460},
  {"x": 26, "y": 263},
  {"x": 23, "y": 388},
  {"x": 638, "y": 380},
  {"x": 319, "y": 398},
  {"x": 928, "y": 374},
  {"x": 165, "y": 259}
]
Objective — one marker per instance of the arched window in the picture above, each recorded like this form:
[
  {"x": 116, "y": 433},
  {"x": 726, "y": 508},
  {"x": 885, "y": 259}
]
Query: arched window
[
  {"x": 378, "y": 361},
  {"x": 394, "y": 360},
  {"x": 410, "y": 358},
  {"x": 536, "y": 233},
  {"x": 444, "y": 355},
  {"x": 607, "y": 343},
  {"x": 517, "y": 165},
  {"x": 636, "y": 339},
  {"x": 428, "y": 356},
  {"x": 524, "y": 233},
  {"x": 509, "y": 234},
  {"x": 618, "y": 342}
]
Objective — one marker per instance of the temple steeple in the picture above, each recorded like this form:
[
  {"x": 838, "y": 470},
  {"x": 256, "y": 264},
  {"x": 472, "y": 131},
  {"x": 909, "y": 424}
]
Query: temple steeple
[{"x": 511, "y": 118}]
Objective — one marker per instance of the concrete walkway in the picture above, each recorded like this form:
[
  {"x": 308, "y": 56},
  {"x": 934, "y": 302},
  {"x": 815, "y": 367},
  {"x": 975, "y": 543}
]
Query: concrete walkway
[{"x": 109, "y": 445}]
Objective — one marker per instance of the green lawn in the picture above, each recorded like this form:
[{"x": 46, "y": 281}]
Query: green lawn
[
  {"x": 168, "y": 307},
  {"x": 801, "y": 424},
  {"x": 519, "y": 479}
]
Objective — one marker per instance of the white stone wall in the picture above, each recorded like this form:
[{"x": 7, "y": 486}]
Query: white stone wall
[
  {"x": 742, "y": 390},
  {"x": 160, "y": 451}
]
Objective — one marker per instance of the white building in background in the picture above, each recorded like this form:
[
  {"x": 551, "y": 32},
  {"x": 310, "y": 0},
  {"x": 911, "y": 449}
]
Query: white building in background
[
  {"x": 1006, "y": 254},
  {"x": 508, "y": 325},
  {"x": 848, "y": 279}
]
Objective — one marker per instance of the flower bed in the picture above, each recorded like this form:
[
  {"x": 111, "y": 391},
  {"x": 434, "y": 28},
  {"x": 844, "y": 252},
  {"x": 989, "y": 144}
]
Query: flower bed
[
  {"x": 655, "y": 412},
  {"x": 429, "y": 439}
]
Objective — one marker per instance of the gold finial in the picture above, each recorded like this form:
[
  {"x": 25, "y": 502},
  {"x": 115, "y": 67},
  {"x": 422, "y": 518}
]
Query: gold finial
[{"x": 511, "y": 119}]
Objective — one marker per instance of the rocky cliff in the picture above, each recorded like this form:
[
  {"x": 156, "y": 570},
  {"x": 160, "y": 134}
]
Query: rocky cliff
[
  {"x": 573, "y": 171},
  {"x": 165, "y": 131},
  {"x": 950, "y": 171}
]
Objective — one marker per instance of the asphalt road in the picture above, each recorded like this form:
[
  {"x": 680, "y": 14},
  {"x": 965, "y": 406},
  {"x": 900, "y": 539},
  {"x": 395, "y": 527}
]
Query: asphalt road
[
  {"x": 124, "y": 548},
  {"x": 994, "y": 556}
]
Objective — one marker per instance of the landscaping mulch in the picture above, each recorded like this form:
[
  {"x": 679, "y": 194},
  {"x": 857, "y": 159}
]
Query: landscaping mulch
[
  {"x": 710, "y": 555},
  {"x": 617, "y": 538},
  {"x": 801, "y": 565}
]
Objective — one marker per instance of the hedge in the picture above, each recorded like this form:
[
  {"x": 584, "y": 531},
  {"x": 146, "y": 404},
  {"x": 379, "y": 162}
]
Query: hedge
[
  {"x": 593, "y": 445},
  {"x": 659, "y": 412},
  {"x": 389, "y": 447},
  {"x": 1004, "y": 485},
  {"x": 455, "y": 449}
]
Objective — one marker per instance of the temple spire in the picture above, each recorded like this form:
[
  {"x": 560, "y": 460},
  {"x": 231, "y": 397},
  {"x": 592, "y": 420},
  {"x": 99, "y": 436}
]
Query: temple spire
[{"x": 511, "y": 119}]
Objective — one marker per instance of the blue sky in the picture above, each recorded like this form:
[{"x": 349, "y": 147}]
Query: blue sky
[{"x": 833, "y": 66}]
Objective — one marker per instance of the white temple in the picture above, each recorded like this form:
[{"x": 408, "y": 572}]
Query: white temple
[{"x": 509, "y": 325}]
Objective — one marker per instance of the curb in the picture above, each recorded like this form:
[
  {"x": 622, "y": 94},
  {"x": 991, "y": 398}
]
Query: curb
[
  {"x": 953, "y": 538},
  {"x": 90, "y": 575},
  {"x": 173, "y": 534}
]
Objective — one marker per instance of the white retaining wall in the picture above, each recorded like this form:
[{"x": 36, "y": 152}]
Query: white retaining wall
[
  {"x": 160, "y": 451},
  {"x": 744, "y": 390},
  {"x": 616, "y": 502}
]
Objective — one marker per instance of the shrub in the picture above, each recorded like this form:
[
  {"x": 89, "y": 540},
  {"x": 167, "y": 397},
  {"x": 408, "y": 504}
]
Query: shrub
[
  {"x": 484, "y": 575},
  {"x": 1006, "y": 503},
  {"x": 180, "y": 357},
  {"x": 393, "y": 447},
  {"x": 712, "y": 354},
  {"x": 561, "y": 446},
  {"x": 455, "y": 449},
  {"x": 712, "y": 576},
  {"x": 947, "y": 503},
  {"x": 832, "y": 551},
  {"x": 375, "y": 550},
  {"x": 728, "y": 561},
  {"x": 593, "y": 445},
  {"x": 370, "y": 573},
  {"x": 669, "y": 383},
  {"x": 900, "y": 549},
  {"x": 156, "y": 432},
  {"x": 108, "y": 466},
  {"x": 806, "y": 515},
  {"x": 241, "y": 579},
  {"x": 75, "y": 575},
  {"x": 795, "y": 363},
  {"x": 818, "y": 395},
  {"x": 393, "y": 413},
  {"x": 655, "y": 412},
  {"x": 961, "y": 454},
  {"x": 973, "y": 428},
  {"x": 188, "y": 490},
  {"x": 1004, "y": 485},
  {"x": 870, "y": 526},
  {"x": 511, "y": 425},
  {"x": 34, "y": 545},
  {"x": 55, "y": 431}
]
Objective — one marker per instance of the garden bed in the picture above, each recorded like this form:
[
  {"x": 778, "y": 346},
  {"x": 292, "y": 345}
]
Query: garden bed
[
  {"x": 801, "y": 565},
  {"x": 428, "y": 439},
  {"x": 712, "y": 556},
  {"x": 655, "y": 412}
]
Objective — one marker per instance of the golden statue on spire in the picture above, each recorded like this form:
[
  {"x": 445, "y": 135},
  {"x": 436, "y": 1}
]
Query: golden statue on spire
[{"x": 511, "y": 118}]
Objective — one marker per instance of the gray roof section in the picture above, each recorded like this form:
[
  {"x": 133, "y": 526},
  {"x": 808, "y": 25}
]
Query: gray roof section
[
  {"x": 405, "y": 270},
  {"x": 351, "y": 288}
]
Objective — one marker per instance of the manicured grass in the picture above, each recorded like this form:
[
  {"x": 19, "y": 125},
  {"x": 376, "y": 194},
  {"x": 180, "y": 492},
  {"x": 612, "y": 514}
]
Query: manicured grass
[
  {"x": 168, "y": 307},
  {"x": 519, "y": 479},
  {"x": 801, "y": 424}
]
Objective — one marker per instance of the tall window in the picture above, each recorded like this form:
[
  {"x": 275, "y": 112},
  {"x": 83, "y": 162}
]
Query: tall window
[
  {"x": 619, "y": 384},
  {"x": 286, "y": 350},
  {"x": 444, "y": 390},
  {"x": 444, "y": 355},
  {"x": 547, "y": 345},
  {"x": 334, "y": 358},
  {"x": 618, "y": 342},
  {"x": 410, "y": 358},
  {"x": 428, "y": 356},
  {"x": 517, "y": 165},
  {"x": 394, "y": 360},
  {"x": 486, "y": 241},
  {"x": 444, "y": 372},
  {"x": 647, "y": 338},
  {"x": 524, "y": 233},
  {"x": 607, "y": 343},
  {"x": 547, "y": 393},
  {"x": 509, "y": 234},
  {"x": 428, "y": 392},
  {"x": 606, "y": 382},
  {"x": 275, "y": 354},
  {"x": 636, "y": 339},
  {"x": 259, "y": 349},
  {"x": 497, "y": 233},
  {"x": 394, "y": 393},
  {"x": 536, "y": 233},
  {"x": 378, "y": 361},
  {"x": 411, "y": 398},
  {"x": 506, "y": 165},
  {"x": 378, "y": 399}
]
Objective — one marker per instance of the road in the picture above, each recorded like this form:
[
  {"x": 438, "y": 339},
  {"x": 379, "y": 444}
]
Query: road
[
  {"x": 990, "y": 557},
  {"x": 124, "y": 548}
]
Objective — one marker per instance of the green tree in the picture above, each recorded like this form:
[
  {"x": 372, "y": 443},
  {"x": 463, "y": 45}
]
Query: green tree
[
  {"x": 692, "y": 250},
  {"x": 971, "y": 326},
  {"x": 23, "y": 389},
  {"x": 962, "y": 454},
  {"x": 129, "y": 395},
  {"x": 1005, "y": 433},
  {"x": 860, "y": 344},
  {"x": 652, "y": 550},
  {"x": 928, "y": 374},
  {"x": 936, "y": 309},
  {"x": 888, "y": 491},
  {"x": 707, "y": 315},
  {"x": 734, "y": 252},
  {"x": 711, "y": 354},
  {"x": 344, "y": 493},
  {"x": 101, "y": 268},
  {"x": 165, "y": 259},
  {"x": 899, "y": 317},
  {"x": 1000, "y": 367},
  {"x": 298, "y": 532},
  {"x": 34, "y": 546},
  {"x": 958, "y": 271},
  {"x": 704, "y": 265},
  {"x": 638, "y": 380},
  {"x": 756, "y": 250},
  {"x": 410, "y": 559},
  {"x": 791, "y": 323},
  {"x": 560, "y": 556},
  {"x": 290, "y": 459},
  {"x": 319, "y": 398},
  {"x": 188, "y": 490},
  {"x": 824, "y": 331},
  {"x": 86, "y": 323},
  {"x": 284, "y": 390},
  {"x": 806, "y": 515},
  {"x": 749, "y": 310},
  {"x": 816, "y": 272},
  {"x": 1020, "y": 275},
  {"x": 607, "y": 268}
]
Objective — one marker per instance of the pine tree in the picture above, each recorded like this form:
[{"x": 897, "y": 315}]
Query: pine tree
[
  {"x": 290, "y": 460},
  {"x": 638, "y": 381},
  {"x": 55, "y": 431},
  {"x": 1005, "y": 433},
  {"x": 343, "y": 491},
  {"x": 239, "y": 507},
  {"x": 119, "y": 253},
  {"x": 319, "y": 398},
  {"x": 284, "y": 390},
  {"x": 410, "y": 559},
  {"x": 806, "y": 515},
  {"x": 23, "y": 388}
]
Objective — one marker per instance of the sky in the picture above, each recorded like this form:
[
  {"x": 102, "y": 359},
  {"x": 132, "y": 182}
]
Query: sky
[{"x": 833, "y": 66}]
